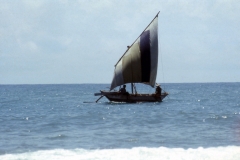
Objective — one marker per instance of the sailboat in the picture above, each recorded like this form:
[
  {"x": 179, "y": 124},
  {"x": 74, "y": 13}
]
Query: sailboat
[{"x": 137, "y": 65}]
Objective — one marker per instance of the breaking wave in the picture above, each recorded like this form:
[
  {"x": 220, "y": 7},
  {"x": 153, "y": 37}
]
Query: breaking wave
[{"x": 220, "y": 153}]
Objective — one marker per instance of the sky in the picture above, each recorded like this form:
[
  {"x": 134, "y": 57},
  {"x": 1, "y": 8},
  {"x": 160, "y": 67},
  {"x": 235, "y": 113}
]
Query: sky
[{"x": 80, "y": 41}]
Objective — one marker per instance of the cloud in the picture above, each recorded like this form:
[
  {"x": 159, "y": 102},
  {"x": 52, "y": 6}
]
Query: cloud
[
  {"x": 34, "y": 4},
  {"x": 93, "y": 6}
]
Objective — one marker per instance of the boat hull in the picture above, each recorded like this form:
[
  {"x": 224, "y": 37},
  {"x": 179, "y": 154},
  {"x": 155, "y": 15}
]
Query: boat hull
[{"x": 133, "y": 98}]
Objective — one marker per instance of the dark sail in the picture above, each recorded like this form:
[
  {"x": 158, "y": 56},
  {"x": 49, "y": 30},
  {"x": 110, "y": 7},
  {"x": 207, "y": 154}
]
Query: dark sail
[{"x": 139, "y": 63}]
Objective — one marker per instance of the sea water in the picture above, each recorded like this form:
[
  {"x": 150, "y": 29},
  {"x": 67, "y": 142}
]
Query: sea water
[{"x": 196, "y": 121}]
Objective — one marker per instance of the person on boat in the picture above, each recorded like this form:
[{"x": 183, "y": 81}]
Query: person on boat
[
  {"x": 123, "y": 90},
  {"x": 158, "y": 90}
]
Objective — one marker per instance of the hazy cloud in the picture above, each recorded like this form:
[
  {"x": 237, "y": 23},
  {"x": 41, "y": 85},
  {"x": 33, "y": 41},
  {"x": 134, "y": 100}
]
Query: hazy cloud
[{"x": 80, "y": 41}]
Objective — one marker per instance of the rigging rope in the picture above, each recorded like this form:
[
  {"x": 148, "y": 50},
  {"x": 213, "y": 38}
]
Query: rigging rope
[{"x": 162, "y": 63}]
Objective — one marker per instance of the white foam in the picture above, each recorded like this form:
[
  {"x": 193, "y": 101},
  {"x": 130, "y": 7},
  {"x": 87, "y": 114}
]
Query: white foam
[{"x": 142, "y": 153}]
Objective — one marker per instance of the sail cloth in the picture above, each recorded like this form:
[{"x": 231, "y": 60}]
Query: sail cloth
[{"x": 139, "y": 63}]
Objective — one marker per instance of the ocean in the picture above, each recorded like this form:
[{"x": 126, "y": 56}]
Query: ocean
[{"x": 62, "y": 121}]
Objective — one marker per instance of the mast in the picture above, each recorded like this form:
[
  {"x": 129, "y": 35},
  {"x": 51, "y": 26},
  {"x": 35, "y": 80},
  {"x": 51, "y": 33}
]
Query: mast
[
  {"x": 132, "y": 87},
  {"x": 137, "y": 38}
]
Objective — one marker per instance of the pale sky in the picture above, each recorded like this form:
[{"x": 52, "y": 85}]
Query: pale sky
[{"x": 79, "y": 41}]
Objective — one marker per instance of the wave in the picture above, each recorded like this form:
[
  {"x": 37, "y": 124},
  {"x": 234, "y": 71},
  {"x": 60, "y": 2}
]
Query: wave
[{"x": 220, "y": 153}]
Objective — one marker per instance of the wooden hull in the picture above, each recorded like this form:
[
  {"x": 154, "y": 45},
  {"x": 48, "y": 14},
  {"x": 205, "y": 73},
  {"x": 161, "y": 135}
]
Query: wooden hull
[{"x": 133, "y": 98}]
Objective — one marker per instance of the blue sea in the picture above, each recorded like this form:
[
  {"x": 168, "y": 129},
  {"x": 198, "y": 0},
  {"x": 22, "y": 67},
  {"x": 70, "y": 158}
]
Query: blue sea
[{"x": 196, "y": 121}]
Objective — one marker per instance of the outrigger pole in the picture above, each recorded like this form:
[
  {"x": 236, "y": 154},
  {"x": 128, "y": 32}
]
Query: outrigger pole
[{"x": 99, "y": 99}]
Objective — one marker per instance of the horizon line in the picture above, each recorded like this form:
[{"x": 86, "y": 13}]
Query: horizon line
[{"x": 105, "y": 83}]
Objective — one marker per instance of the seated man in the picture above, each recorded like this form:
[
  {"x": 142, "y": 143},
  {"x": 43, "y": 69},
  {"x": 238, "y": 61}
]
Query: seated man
[{"x": 123, "y": 90}]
